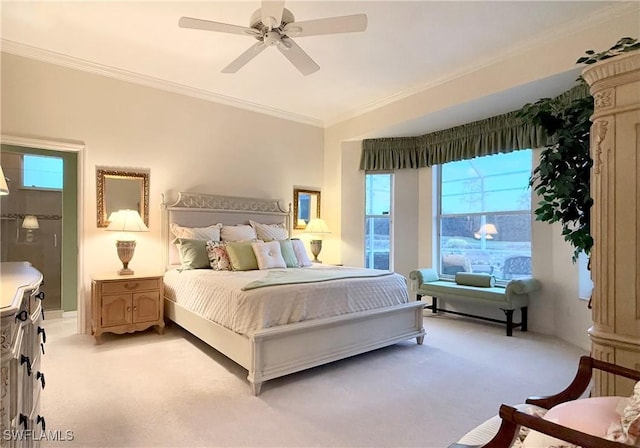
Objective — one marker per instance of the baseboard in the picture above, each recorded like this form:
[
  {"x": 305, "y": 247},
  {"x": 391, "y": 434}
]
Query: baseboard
[{"x": 53, "y": 314}]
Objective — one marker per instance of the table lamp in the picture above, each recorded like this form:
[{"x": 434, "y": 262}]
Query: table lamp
[
  {"x": 487, "y": 230},
  {"x": 316, "y": 227},
  {"x": 30, "y": 223},
  {"x": 126, "y": 221}
]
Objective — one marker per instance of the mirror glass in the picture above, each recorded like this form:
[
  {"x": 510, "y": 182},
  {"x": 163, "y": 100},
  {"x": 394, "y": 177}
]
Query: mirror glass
[
  {"x": 122, "y": 189},
  {"x": 306, "y": 205}
]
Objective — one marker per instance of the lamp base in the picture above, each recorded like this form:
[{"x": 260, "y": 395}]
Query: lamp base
[
  {"x": 316, "y": 247},
  {"x": 125, "y": 253}
]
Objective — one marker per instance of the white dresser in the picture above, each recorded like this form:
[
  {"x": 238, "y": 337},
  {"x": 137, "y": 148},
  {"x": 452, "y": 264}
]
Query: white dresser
[{"x": 22, "y": 340}]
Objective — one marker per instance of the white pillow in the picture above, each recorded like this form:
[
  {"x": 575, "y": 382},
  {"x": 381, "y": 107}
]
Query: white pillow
[
  {"x": 269, "y": 255},
  {"x": 301, "y": 253},
  {"x": 210, "y": 233},
  {"x": 241, "y": 232},
  {"x": 270, "y": 232}
]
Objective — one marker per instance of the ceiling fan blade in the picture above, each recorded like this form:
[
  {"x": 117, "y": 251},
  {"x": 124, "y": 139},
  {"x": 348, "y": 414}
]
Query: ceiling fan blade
[
  {"x": 208, "y": 25},
  {"x": 330, "y": 25},
  {"x": 245, "y": 57},
  {"x": 272, "y": 13},
  {"x": 297, "y": 56}
]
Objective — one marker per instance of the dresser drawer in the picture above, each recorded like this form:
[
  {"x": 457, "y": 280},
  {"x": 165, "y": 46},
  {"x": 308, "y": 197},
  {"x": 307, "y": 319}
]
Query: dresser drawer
[
  {"x": 12, "y": 336},
  {"x": 132, "y": 285}
]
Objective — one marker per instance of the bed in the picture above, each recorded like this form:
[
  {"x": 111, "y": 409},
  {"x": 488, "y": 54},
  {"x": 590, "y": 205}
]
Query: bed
[{"x": 364, "y": 313}]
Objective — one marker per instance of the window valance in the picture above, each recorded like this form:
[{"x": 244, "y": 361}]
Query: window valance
[{"x": 500, "y": 134}]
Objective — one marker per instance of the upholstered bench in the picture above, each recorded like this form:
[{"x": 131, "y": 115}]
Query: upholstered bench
[{"x": 478, "y": 289}]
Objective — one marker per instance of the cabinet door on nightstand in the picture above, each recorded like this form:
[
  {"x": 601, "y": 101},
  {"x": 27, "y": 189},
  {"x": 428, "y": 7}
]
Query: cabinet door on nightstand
[
  {"x": 146, "y": 306},
  {"x": 116, "y": 310}
]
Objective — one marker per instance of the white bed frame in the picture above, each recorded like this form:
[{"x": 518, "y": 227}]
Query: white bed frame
[{"x": 279, "y": 351}]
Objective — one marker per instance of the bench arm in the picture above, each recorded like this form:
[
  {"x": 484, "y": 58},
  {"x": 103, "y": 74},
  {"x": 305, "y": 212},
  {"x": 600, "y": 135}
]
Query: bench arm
[
  {"x": 522, "y": 286},
  {"x": 422, "y": 276}
]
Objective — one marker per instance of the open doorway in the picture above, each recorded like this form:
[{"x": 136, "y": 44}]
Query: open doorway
[{"x": 38, "y": 219}]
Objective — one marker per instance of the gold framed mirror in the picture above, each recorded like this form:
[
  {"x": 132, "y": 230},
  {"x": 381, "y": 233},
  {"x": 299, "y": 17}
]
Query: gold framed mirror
[
  {"x": 119, "y": 189},
  {"x": 306, "y": 205}
]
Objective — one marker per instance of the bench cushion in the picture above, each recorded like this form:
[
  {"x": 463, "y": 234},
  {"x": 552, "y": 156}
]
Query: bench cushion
[
  {"x": 514, "y": 295},
  {"x": 443, "y": 288}
]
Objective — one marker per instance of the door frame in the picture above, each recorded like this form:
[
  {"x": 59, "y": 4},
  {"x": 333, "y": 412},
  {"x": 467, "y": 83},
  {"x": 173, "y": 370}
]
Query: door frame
[{"x": 79, "y": 148}]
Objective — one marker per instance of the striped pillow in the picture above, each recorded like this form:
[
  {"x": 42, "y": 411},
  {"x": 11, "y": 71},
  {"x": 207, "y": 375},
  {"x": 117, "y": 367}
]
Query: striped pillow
[{"x": 270, "y": 232}]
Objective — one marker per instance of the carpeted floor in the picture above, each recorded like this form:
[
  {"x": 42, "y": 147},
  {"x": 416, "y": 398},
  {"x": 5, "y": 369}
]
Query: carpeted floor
[{"x": 147, "y": 390}]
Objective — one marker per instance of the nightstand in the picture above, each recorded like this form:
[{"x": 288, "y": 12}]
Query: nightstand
[{"x": 126, "y": 303}]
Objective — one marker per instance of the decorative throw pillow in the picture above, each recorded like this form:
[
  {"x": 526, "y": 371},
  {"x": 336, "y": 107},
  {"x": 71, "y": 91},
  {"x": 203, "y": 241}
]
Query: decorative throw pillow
[
  {"x": 210, "y": 233},
  {"x": 289, "y": 254},
  {"x": 269, "y": 232},
  {"x": 589, "y": 415},
  {"x": 301, "y": 253},
  {"x": 193, "y": 253},
  {"x": 218, "y": 256},
  {"x": 480, "y": 280},
  {"x": 628, "y": 429},
  {"x": 268, "y": 255},
  {"x": 241, "y": 232},
  {"x": 242, "y": 256}
]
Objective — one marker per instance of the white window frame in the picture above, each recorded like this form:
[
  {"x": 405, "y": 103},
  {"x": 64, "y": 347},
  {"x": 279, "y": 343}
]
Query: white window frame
[
  {"x": 388, "y": 215},
  {"x": 438, "y": 251}
]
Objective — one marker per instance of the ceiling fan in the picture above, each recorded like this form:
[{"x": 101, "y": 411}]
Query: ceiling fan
[{"x": 274, "y": 25}]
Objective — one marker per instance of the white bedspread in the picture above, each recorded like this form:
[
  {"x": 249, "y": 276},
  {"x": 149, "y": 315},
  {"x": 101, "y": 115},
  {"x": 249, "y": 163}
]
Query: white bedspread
[{"x": 217, "y": 295}]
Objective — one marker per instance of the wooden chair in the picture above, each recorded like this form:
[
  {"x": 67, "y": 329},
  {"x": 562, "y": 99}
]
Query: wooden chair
[{"x": 513, "y": 419}]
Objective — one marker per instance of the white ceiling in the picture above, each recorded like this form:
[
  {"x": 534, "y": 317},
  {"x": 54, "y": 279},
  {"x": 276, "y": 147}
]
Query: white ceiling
[{"x": 406, "y": 47}]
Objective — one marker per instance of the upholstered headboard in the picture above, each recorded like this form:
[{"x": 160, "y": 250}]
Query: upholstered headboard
[{"x": 201, "y": 210}]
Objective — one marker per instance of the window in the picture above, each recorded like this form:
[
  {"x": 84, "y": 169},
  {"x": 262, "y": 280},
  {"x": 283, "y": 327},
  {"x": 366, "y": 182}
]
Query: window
[
  {"x": 42, "y": 172},
  {"x": 378, "y": 188},
  {"x": 485, "y": 216}
]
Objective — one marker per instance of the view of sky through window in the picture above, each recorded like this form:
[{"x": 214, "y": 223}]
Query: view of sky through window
[{"x": 42, "y": 172}]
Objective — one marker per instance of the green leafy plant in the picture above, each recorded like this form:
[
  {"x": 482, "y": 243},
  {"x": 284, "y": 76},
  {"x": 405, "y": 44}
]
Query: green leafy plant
[
  {"x": 562, "y": 179},
  {"x": 624, "y": 45}
]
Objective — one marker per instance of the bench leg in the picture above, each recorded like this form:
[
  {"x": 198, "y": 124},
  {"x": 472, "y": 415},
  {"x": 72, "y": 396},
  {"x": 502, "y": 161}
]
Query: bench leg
[
  {"x": 509, "y": 314},
  {"x": 434, "y": 303},
  {"x": 524, "y": 313}
]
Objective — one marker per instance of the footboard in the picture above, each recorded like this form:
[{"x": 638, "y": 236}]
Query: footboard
[{"x": 283, "y": 350}]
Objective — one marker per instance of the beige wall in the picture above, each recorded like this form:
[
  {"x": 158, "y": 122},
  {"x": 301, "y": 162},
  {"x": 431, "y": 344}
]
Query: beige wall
[
  {"x": 556, "y": 309},
  {"x": 192, "y": 144},
  {"x": 187, "y": 144}
]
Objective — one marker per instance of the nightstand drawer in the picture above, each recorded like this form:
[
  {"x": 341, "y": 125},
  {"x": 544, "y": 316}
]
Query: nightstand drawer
[{"x": 132, "y": 285}]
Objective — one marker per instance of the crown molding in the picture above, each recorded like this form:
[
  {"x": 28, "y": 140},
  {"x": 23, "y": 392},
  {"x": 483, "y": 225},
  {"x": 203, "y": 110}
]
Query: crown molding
[
  {"x": 52, "y": 57},
  {"x": 41, "y": 143},
  {"x": 560, "y": 32}
]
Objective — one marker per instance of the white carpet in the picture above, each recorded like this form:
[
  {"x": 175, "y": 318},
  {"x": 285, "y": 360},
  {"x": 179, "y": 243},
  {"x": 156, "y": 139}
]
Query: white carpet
[{"x": 147, "y": 390}]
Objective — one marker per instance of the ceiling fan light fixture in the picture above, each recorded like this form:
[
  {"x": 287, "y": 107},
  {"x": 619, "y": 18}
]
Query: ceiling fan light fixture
[{"x": 272, "y": 38}]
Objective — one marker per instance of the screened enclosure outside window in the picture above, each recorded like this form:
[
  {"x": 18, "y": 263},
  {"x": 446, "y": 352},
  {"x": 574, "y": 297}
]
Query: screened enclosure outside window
[
  {"x": 485, "y": 216},
  {"x": 378, "y": 188}
]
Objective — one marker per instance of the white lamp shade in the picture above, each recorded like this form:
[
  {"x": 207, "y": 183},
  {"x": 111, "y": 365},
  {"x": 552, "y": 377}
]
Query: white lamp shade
[
  {"x": 126, "y": 221},
  {"x": 30, "y": 222},
  {"x": 317, "y": 226},
  {"x": 4, "y": 188}
]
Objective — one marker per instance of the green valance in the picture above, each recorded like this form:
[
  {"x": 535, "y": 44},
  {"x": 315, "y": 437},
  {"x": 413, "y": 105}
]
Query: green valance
[
  {"x": 380, "y": 154},
  {"x": 500, "y": 134}
]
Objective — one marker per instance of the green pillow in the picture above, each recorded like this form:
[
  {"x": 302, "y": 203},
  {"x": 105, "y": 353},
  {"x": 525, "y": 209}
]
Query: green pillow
[
  {"x": 193, "y": 253},
  {"x": 289, "y": 254},
  {"x": 241, "y": 256}
]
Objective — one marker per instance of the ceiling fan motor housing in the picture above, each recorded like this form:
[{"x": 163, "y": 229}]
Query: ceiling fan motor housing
[{"x": 256, "y": 20}]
